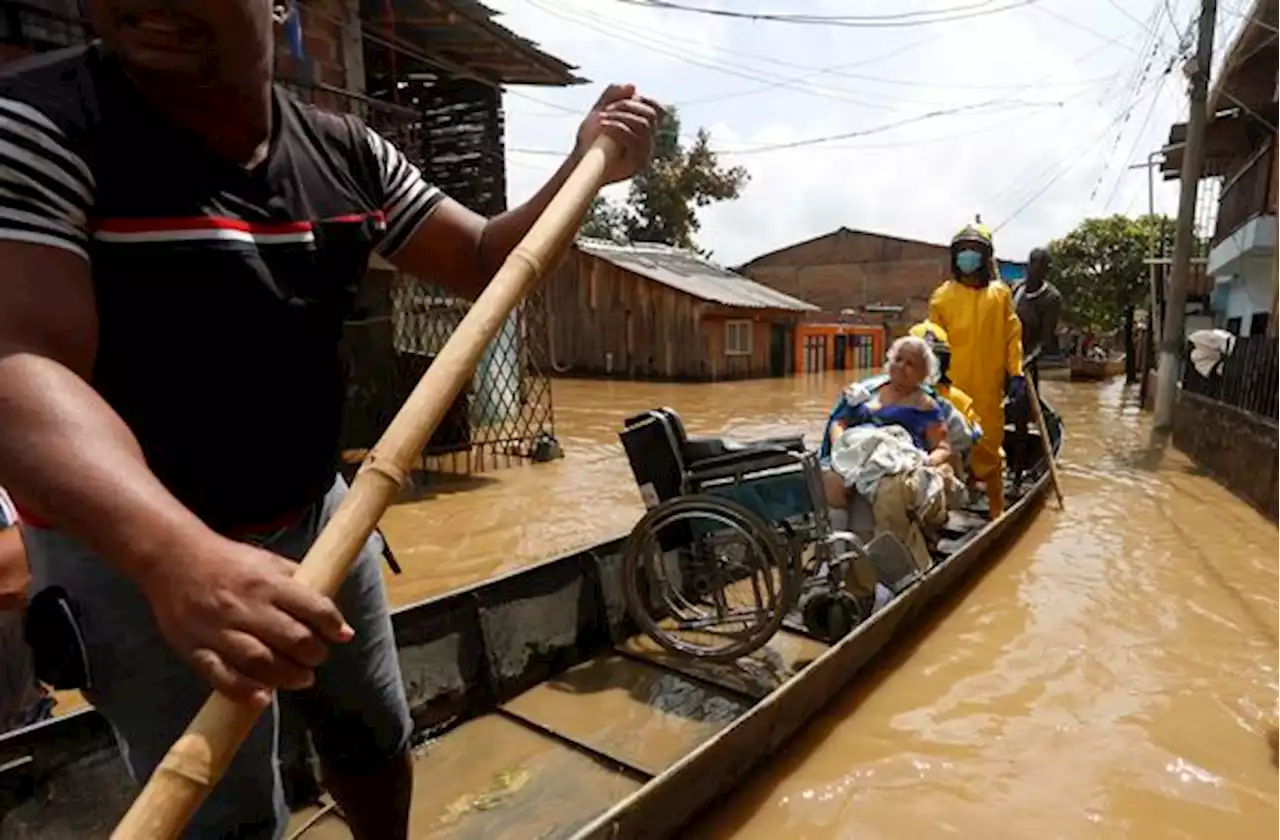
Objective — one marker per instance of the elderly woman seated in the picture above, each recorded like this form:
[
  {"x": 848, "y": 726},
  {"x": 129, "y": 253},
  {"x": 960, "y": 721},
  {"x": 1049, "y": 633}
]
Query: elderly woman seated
[{"x": 887, "y": 443}]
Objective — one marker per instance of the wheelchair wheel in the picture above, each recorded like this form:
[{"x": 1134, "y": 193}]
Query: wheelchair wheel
[
  {"x": 684, "y": 599},
  {"x": 831, "y": 615}
]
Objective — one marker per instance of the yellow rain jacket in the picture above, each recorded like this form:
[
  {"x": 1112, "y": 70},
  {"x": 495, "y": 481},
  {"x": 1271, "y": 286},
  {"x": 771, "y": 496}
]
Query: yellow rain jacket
[
  {"x": 963, "y": 402},
  {"x": 985, "y": 336}
]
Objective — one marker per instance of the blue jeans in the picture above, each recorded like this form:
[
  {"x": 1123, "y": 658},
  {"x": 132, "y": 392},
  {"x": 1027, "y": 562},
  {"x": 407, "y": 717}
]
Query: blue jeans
[{"x": 357, "y": 712}]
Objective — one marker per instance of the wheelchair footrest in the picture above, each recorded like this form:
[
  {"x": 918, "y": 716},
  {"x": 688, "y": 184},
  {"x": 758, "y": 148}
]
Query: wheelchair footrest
[{"x": 894, "y": 565}]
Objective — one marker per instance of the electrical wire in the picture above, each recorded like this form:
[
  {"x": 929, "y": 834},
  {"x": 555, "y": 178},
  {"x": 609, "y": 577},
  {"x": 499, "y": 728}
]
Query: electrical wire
[
  {"x": 1128, "y": 99},
  {"x": 579, "y": 17},
  {"x": 948, "y": 138},
  {"x": 1038, "y": 165},
  {"x": 1125, "y": 99},
  {"x": 834, "y": 70},
  {"x": 899, "y": 20},
  {"x": 1062, "y": 171}
]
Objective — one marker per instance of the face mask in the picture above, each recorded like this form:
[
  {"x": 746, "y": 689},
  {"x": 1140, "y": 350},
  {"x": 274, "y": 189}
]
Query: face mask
[{"x": 967, "y": 262}]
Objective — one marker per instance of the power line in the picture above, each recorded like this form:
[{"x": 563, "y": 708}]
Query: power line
[
  {"x": 899, "y": 20},
  {"x": 1135, "y": 96},
  {"x": 1063, "y": 170},
  {"x": 579, "y": 17},
  {"x": 1089, "y": 29},
  {"x": 1137, "y": 138},
  {"x": 813, "y": 141},
  {"x": 1127, "y": 99},
  {"x": 1038, "y": 166},
  {"x": 860, "y": 132},
  {"x": 946, "y": 138},
  {"x": 840, "y": 69}
]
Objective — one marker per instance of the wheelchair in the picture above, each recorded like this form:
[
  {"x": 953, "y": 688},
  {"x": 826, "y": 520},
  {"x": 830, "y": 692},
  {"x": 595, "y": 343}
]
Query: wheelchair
[{"x": 731, "y": 522}]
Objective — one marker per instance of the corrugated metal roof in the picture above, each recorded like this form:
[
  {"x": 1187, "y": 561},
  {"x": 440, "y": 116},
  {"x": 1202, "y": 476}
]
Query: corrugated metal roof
[{"x": 692, "y": 274}]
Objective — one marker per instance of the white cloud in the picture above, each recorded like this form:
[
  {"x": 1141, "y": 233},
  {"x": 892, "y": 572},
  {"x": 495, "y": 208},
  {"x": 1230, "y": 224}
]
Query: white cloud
[{"x": 920, "y": 180}]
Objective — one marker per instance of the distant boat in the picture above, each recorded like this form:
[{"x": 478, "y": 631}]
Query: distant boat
[{"x": 1083, "y": 368}]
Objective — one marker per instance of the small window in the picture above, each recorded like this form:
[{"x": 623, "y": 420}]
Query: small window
[
  {"x": 737, "y": 338},
  {"x": 1259, "y": 322},
  {"x": 1233, "y": 326}
]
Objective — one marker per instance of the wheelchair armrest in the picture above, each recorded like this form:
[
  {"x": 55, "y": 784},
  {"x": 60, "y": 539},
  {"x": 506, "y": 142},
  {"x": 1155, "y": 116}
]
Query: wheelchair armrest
[
  {"x": 755, "y": 458},
  {"x": 698, "y": 449},
  {"x": 789, "y": 443}
]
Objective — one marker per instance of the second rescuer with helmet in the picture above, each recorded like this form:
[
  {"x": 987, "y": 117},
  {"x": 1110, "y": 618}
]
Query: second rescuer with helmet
[
  {"x": 976, "y": 311},
  {"x": 963, "y": 425}
]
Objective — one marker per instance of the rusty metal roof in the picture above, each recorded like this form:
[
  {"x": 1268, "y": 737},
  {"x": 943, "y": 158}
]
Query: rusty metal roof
[
  {"x": 463, "y": 35},
  {"x": 692, "y": 274}
]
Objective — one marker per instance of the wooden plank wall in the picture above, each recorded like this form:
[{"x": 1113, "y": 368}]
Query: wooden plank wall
[
  {"x": 604, "y": 321},
  {"x": 721, "y": 366}
]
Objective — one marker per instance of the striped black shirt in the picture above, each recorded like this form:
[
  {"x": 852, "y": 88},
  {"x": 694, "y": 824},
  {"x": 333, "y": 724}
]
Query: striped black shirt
[{"x": 221, "y": 292}]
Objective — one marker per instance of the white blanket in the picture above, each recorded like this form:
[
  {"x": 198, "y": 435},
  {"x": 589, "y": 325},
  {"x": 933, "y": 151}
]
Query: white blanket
[
  {"x": 1208, "y": 347},
  {"x": 865, "y": 454}
]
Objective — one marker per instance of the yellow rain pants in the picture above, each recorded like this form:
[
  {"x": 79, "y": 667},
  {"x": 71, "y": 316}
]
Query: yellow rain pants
[{"x": 986, "y": 343}]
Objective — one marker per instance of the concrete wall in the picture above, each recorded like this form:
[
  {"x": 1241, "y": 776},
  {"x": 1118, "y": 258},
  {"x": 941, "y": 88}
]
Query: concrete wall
[
  {"x": 1249, "y": 292},
  {"x": 1239, "y": 448}
]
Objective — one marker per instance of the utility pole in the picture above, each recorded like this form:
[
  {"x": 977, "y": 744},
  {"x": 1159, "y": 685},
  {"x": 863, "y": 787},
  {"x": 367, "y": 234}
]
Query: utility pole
[{"x": 1173, "y": 335}]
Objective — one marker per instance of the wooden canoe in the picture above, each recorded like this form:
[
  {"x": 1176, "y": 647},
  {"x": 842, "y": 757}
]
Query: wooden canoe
[
  {"x": 1094, "y": 369},
  {"x": 540, "y": 713}
]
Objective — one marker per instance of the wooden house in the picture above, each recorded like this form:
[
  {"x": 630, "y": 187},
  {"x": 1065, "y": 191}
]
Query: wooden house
[{"x": 649, "y": 311}]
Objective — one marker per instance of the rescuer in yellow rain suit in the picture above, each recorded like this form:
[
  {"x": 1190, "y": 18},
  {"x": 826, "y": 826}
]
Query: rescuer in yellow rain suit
[{"x": 976, "y": 310}]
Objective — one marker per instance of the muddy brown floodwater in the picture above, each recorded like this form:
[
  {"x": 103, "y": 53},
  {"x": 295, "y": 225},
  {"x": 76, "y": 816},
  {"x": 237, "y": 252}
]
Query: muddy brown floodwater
[{"x": 1113, "y": 674}]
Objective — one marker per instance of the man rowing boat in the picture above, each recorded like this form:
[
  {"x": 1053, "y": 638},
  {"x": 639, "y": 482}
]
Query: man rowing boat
[
  {"x": 1039, "y": 305},
  {"x": 180, "y": 242}
]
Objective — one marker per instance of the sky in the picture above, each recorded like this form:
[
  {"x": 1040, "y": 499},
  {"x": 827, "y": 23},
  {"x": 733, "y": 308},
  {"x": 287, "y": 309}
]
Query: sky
[{"x": 1027, "y": 115}]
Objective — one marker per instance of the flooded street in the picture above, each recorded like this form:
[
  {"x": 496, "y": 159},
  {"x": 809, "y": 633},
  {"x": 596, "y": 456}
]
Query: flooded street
[
  {"x": 1112, "y": 675},
  {"x": 467, "y": 529}
]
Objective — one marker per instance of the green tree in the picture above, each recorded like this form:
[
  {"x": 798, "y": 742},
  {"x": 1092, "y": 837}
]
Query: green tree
[
  {"x": 664, "y": 198},
  {"x": 1099, "y": 268},
  {"x": 605, "y": 221}
]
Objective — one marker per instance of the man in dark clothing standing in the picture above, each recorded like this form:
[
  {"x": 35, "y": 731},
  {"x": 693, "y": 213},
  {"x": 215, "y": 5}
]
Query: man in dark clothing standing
[
  {"x": 180, "y": 242},
  {"x": 1039, "y": 305}
]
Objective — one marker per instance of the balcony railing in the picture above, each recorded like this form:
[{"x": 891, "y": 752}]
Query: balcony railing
[
  {"x": 1250, "y": 193},
  {"x": 1246, "y": 379}
]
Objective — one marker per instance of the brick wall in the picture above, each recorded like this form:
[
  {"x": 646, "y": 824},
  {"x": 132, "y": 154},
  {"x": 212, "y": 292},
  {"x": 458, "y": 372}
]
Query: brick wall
[
  {"x": 1239, "y": 448},
  {"x": 848, "y": 269},
  {"x": 331, "y": 57}
]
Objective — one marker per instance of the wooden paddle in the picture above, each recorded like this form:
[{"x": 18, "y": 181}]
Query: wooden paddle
[
  {"x": 1044, "y": 439},
  {"x": 197, "y": 760}
]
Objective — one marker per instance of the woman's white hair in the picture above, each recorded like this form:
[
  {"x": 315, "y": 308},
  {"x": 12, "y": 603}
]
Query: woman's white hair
[{"x": 933, "y": 369}]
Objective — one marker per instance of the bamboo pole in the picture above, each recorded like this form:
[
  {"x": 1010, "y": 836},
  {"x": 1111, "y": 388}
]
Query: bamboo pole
[
  {"x": 1045, "y": 440},
  {"x": 197, "y": 760}
]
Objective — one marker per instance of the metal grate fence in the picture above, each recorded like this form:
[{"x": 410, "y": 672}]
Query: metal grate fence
[
  {"x": 453, "y": 131},
  {"x": 1246, "y": 379}
]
